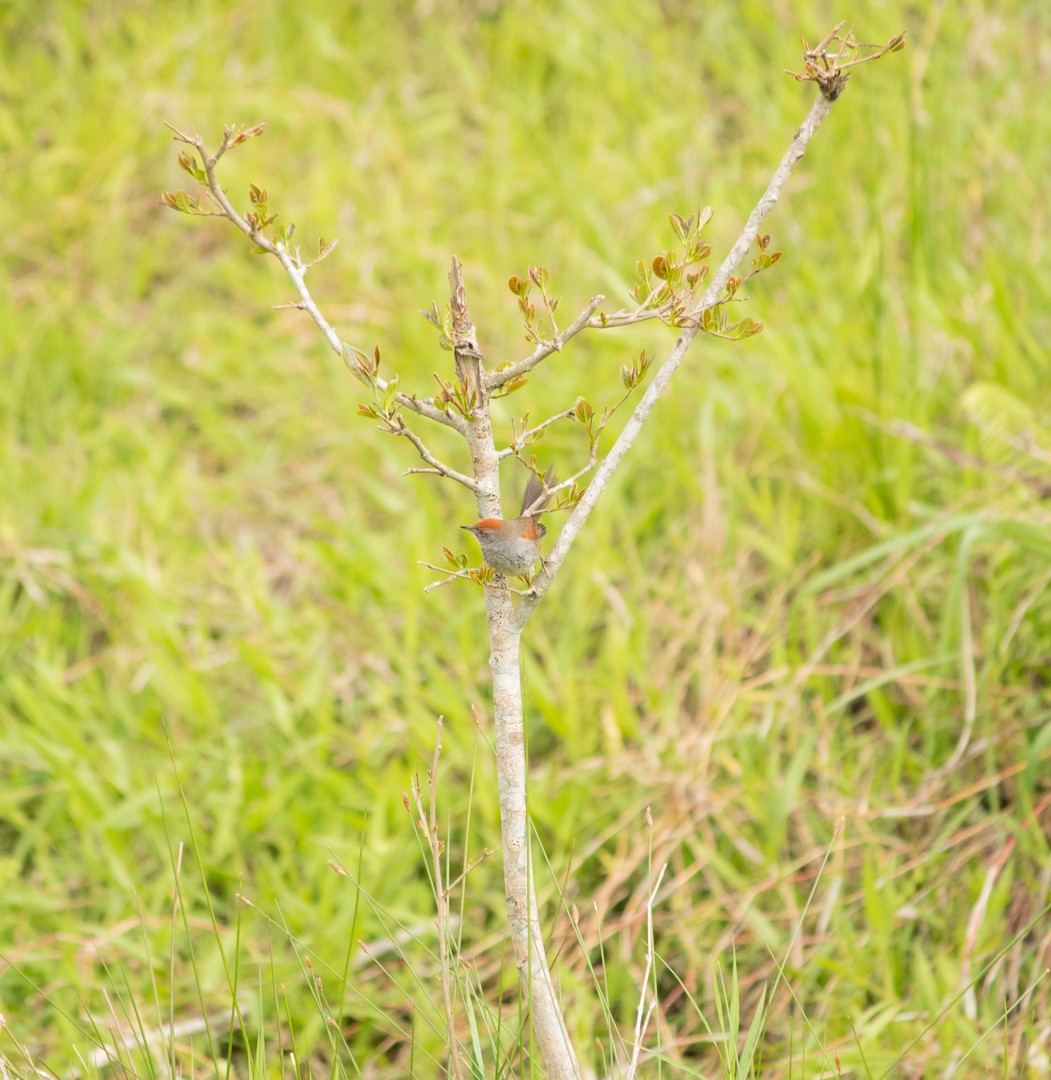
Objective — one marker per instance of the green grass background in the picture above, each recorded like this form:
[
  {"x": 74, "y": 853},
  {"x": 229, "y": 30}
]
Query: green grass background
[{"x": 787, "y": 610}]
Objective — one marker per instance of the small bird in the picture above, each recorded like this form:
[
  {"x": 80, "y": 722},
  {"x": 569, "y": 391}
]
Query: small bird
[{"x": 512, "y": 547}]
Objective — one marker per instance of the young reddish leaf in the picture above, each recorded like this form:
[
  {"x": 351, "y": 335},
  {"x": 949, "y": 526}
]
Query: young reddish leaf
[
  {"x": 679, "y": 225},
  {"x": 244, "y": 136},
  {"x": 189, "y": 164},
  {"x": 179, "y": 200},
  {"x": 511, "y": 386},
  {"x": 746, "y": 328}
]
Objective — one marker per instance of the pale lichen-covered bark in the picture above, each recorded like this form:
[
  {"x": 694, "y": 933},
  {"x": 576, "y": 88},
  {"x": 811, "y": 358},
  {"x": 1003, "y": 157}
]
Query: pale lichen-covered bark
[{"x": 548, "y": 1025}]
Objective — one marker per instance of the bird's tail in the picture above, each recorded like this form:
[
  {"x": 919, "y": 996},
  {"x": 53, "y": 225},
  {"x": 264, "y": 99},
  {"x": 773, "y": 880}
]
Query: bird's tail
[{"x": 533, "y": 499}]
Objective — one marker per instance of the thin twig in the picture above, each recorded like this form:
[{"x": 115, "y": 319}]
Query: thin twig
[
  {"x": 486, "y": 853},
  {"x": 522, "y": 437},
  {"x": 568, "y": 483},
  {"x": 562, "y": 485},
  {"x": 551, "y": 315},
  {"x": 448, "y": 579},
  {"x": 436, "y": 466},
  {"x": 642, "y": 313},
  {"x": 545, "y": 348}
]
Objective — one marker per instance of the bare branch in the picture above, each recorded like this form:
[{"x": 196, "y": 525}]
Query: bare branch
[
  {"x": 297, "y": 273},
  {"x": 296, "y": 269},
  {"x": 545, "y": 348},
  {"x": 550, "y": 313},
  {"x": 629, "y": 318},
  {"x": 570, "y": 480},
  {"x": 643, "y": 313},
  {"x": 553, "y": 562},
  {"x": 325, "y": 249},
  {"x": 522, "y": 438},
  {"x": 486, "y": 853},
  {"x": 563, "y": 485},
  {"x": 437, "y": 466},
  {"x": 209, "y": 161},
  {"x": 448, "y": 579}
]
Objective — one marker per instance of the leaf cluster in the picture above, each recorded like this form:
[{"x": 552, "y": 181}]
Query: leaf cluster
[{"x": 668, "y": 284}]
